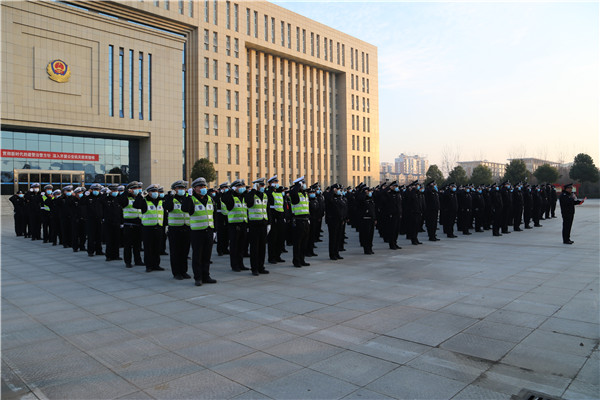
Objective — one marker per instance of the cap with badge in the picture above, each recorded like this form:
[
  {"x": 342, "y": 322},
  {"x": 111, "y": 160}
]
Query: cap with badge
[
  {"x": 259, "y": 181},
  {"x": 120, "y": 188},
  {"x": 273, "y": 179},
  {"x": 35, "y": 185},
  {"x": 56, "y": 192},
  {"x": 568, "y": 185},
  {"x": 179, "y": 184},
  {"x": 96, "y": 186},
  {"x": 152, "y": 188},
  {"x": 299, "y": 180},
  {"x": 50, "y": 187},
  {"x": 224, "y": 184},
  {"x": 113, "y": 188},
  {"x": 199, "y": 182},
  {"x": 67, "y": 188},
  {"x": 238, "y": 182},
  {"x": 134, "y": 185}
]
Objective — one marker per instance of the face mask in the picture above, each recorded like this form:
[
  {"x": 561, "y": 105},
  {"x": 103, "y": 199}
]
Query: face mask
[
  {"x": 370, "y": 194},
  {"x": 275, "y": 185},
  {"x": 161, "y": 195},
  {"x": 518, "y": 188},
  {"x": 80, "y": 195},
  {"x": 213, "y": 194},
  {"x": 21, "y": 195},
  {"x": 511, "y": 190},
  {"x": 95, "y": 192},
  {"x": 241, "y": 190},
  {"x": 114, "y": 194},
  {"x": 304, "y": 186},
  {"x": 397, "y": 189},
  {"x": 318, "y": 192},
  {"x": 468, "y": 190},
  {"x": 120, "y": 192},
  {"x": 418, "y": 187},
  {"x": 36, "y": 190},
  {"x": 479, "y": 191},
  {"x": 136, "y": 191},
  {"x": 181, "y": 192},
  {"x": 435, "y": 188},
  {"x": 312, "y": 195},
  {"x": 454, "y": 189},
  {"x": 225, "y": 190},
  {"x": 68, "y": 193},
  {"x": 48, "y": 192},
  {"x": 422, "y": 190},
  {"x": 497, "y": 188},
  {"x": 203, "y": 191},
  {"x": 154, "y": 195},
  {"x": 261, "y": 189}
]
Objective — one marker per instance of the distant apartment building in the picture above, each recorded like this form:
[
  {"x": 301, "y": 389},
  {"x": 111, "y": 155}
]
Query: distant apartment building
[
  {"x": 498, "y": 169},
  {"x": 386, "y": 167},
  {"x": 411, "y": 165},
  {"x": 534, "y": 163}
]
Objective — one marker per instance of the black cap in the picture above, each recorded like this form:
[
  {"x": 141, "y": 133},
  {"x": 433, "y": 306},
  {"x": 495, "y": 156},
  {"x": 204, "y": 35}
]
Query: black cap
[{"x": 568, "y": 185}]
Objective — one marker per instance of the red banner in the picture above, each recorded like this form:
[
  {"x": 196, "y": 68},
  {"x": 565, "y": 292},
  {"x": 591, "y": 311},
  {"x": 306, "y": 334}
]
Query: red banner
[{"x": 49, "y": 155}]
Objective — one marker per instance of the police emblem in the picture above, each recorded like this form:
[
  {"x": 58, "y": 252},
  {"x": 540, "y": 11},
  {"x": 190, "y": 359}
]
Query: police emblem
[{"x": 58, "y": 71}]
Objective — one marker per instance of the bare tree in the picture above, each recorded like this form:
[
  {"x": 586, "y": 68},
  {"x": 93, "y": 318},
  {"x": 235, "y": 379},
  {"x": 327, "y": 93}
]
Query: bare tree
[
  {"x": 449, "y": 159},
  {"x": 517, "y": 152}
]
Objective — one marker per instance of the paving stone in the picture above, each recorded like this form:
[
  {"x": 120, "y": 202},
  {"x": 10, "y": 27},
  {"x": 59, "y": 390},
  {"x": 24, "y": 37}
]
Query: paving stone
[
  {"x": 304, "y": 351},
  {"x": 225, "y": 326},
  {"x": 561, "y": 343},
  {"x": 88, "y": 387},
  {"x": 177, "y": 337},
  {"x": 299, "y": 306},
  {"x": 301, "y": 325},
  {"x": 99, "y": 338},
  {"x": 201, "y": 385},
  {"x": 307, "y": 384},
  {"x": 116, "y": 355},
  {"x": 473, "y": 392},
  {"x": 410, "y": 383},
  {"x": 366, "y": 394},
  {"x": 456, "y": 366},
  {"x": 156, "y": 370},
  {"x": 424, "y": 334},
  {"x": 544, "y": 361},
  {"x": 478, "y": 346},
  {"x": 496, "y": 330},
  {"x": 579, "y": 390},
  {"x": 334, "y": 314},
  {"x": 342, "y": 336},
  {"x": 511, "y": 380},
  {"x": 391, "y": 349},
  {"x": 353, "y": 367},
  {"x": 517, "y": 318},
  {"x": 214, "y": 352}
]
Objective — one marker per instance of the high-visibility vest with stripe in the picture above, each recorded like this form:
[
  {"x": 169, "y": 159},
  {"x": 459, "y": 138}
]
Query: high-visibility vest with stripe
[
  {"x": 44, "y": 206},
  {"x": 277, "y": 202},
  {"x": 177, "y": 217},
  {"x": 155, "y": 214},
  {"x": 258, "y": 212},
  {"x": 202, "y": 217},
  {"x": 224, "y": 210},
  {"x": 239, "y": 212},
  {"x": 301, "y": 208},
  {"x": 131, "y": 213}
]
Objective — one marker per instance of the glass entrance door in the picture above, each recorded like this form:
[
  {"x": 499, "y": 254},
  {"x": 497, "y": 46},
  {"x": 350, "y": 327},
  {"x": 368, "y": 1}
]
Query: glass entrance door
[{"x": 59, "y": 179}]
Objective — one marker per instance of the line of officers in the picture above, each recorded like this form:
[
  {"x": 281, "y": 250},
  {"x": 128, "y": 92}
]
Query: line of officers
[{"x": 258, "y": 221}]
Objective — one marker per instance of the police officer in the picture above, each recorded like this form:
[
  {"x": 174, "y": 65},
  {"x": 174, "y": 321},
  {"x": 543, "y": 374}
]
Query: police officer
[
  {"x": 527, "y": 205},
  {"x": 55, "y": 203},
  {"x": 179, "y": 230},
  {"x": 152, "y": 214},
  {"x": 113, "y": 219},
  {"x": 258, "y": 219},
  {"x": 536, "y": 211},
  {"x": 163, "y": 239},
  {"x": 276, "y": 211},
  {"x": 314, "y": 210},
  {"x": 333, "y": 219},
  {"x": 301, "y": 229},
  {"x": 413, "y": 212},
  {"x": 497, "y": 207},
  {"x": 234, "y": 205},
  {"x": 64, "y": 216},
  {"x": 365, "y": 207},
  {"x": 568, "y": 201},
  {"x": 478, "y": 208},
  {"x": 45, "y": 212},
  {"x": 18, "y": 202},
  {"x": 200, "y": 208},
  {"x": 132, "y": 225},
  {"x": 77, "y": 212},
  {"x": 221, "y": 221},
  {"x": 34, "y": 211},
  {"x": 553, "y": 197},
  {"x": 432, "y": 209},
  {"x": 393, "y": 213},
  {"x": 517, "y": 200},
  {"x": 93, "y": 219}
]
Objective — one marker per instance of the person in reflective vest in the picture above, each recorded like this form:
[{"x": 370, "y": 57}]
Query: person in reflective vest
[
  {"x": 237, "y": 220},
  {"x": 179, "y": 229},
  {"x": 221, "y": 220},
  {"x": 300, "y": 223},
  {"x": 163, "y": 239},
  {"x": 152, "y": 216},
  {"x": 256, "y": 200},
  {"x": 275, "y": 210},
  {"x": 200, "y": 208},
  {"x": 45, "y": 212},
  {"x": 132, "y": 225}
]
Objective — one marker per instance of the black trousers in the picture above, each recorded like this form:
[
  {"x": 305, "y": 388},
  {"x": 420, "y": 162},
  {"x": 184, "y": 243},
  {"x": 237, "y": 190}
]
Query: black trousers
[
  {"x": 237, "y": 241},
  {"x": 202, "y": 244},
  {"x": 536, "y": 214},
  {"x": 393, "y": 228},
  {"x": 94, "y": 232},
  {"x": 55, "y": 232},
  {"x": 526, "y": 216},
  {"x": 152, "y": 236},
  {"x": 300, "y": 237},
  {"x": 179, "y": 248},
  {"x": 431, "y": 224},
  {"x": 78, "y": 234},
  {"x": 313, "y": 235},
  {"x": 449, "y": 224},
  {"x": 566, "y": 230},
  {"x": 45, "y": 224},
  {"x": 412, "y": 226},
  {"x": 222, "y": 233},
  {"x": 19, "y": 223},
  {"x": 517, "y": 217},
  {"x": 276, "y": 238},
  {"x": 113, "y": 231},
  {"x": 65, "y": 231},
  {"x": 257, "y": 232},
  {"x": 365, "y": 233},
  {"x": 506, "y": 217},
  {"x": 335, "y": 229},
  {"x": 497, "y": 223},
  {"x": 553, "y": 208},
  {"x": 132, "y": 243}
]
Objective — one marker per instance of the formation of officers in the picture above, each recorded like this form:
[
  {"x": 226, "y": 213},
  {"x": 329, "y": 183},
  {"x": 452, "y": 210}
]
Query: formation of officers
[{"x": 260, "y": 220}]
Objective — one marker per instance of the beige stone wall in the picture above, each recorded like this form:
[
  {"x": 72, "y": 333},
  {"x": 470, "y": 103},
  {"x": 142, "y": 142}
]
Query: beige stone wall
[{"x": 316, "y": 150}]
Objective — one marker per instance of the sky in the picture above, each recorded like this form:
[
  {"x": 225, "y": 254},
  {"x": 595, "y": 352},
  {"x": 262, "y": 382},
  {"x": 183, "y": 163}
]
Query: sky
[{"x": 478, "y": 80}]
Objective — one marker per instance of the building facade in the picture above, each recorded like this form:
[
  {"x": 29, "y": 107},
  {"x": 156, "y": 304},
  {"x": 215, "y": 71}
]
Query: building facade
[
  {"x": 534, "y": 163},
  {"x": 498, "y": 169},
  {"x": 411, "y": 165},
  {"x": 141, "y": 90}
]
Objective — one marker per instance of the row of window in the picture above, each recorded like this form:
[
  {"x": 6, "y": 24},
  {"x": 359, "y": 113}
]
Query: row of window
[
  {"x": 356, "y": 163},
  {"x": 366, "y": 123},
  {"x": 228, "y": 125},
  {"x": 231, "y": 157},
  {"x": 282, "y": 136},
  {"x": 144, "y": 81},
  {"x": 366, "y": 104},
  {"x": 181, "y": 7},
  {"x": 215, "y": 97},
  {"x": 215, "y": 43},
  {"x": 357, "y": 179},
  {"x": 290, "y": 160},
  {"x": 354, "y": 86},
  {"x": 366, "y": 143}
]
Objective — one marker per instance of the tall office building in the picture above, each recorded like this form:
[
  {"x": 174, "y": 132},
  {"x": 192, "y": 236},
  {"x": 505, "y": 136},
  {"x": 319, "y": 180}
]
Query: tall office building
[{"x": 145, "y": 88}]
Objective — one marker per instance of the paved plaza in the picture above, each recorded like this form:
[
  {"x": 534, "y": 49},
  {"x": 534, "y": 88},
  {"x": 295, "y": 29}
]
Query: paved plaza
[{"x": 477, "y": 317}]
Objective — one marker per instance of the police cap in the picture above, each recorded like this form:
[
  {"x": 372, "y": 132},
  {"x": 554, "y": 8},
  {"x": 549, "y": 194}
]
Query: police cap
[
  {"x": 152, "y": 188},
  {"x": 179, "y": 184},
  {"x": 199, "y": 182}
]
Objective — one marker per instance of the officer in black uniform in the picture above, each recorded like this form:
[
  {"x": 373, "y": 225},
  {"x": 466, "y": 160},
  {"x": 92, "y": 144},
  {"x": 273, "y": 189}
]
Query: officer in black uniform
[
  {"x": 221, "y": 221},
  {"x": 200, "y": 208},
  {"x": 258, "y": 219},
  {"x": 465, "y": 203},
  {"x": 553, "y": 197},
  {"x": 568, "y": 201},
  {"x": 163, "y": 239},
  {"x": 314, "y": 209},
  {"x": 393, "y": 214},
  {"x": 367, "y": 218},
  {"x": 55, "y": 203},
  {"x": 78, "y": 213},
  {"x": 152, "y": 217},
  {"x": 132, "y": 224},
  {"x": 432, "y": 209},
  {"x": 536, "y": 210},
  {"x": 333, "y": 219},
  {"x": 413, "y": 212},
  {"x": 506, "y": 192},
  {"x": 34, "y": 211},
  {"x": 113, "y": 219},
  {"x": 179, "y": 230},
  {"x": 18, "y": 202},
  {"x": 478, "y": 208},
  {"x": 517, "y": 200},
  {"x": 93, "y": 219},
  {"x": 276, "y": 211},
  {"x": 497, "y": 207},
  {"x": 527, "y": 205},
  {"x": 451, "y": 210},
  {"x": 64, "y": 216},
  {"x": 233, "y": 204}
]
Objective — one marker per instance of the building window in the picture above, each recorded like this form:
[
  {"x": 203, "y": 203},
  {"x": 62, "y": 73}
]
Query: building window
[
  {"x": 237, "y": 101},
  {"x": 367, "y": 86},
  {"x": 351, "y": 58},
  {"x": 130, "y": 84},
  {"x": 206, "y": 127},
  {"x": 343, "y": 55},
  {"x": 236, "y": 48},
  {"x": 325, "y": 49},
  {"x": 215, "y": 70},
  {"x": 206, "y": 67},
  {"x": 289, "y": 36},
  {"x": 141, "y": 85},
  {"x": 266, "y": 28},
  {"x": 191, "y": 8},
  {"x": 236, "y": 74},
  {"x": 215, "y": 97},
  {"x": 363, "y": 85},
  {"x": 216, "y": 145},
  {"x": 237, "y": 127},
  {"x": 272, "y": 30},
  {"x": 312, "y": 44},
  {"x": 256, "y": 24},
  {"x": 215, "y": 40},
  {"x": 166, "y": 2},
  {"x": 228, "y": 72},
  {"x": 248, "y": 21},
  {"x": 206, "y": 96},
  {"x": 228, "y": 45},
  {"x": 111, "y": 88},
  {"x": 235, "y": 17},
  {"x": 283, "y": 33},
  {"x": 228, "y": 126},
  {"x": 331, "y": 50},
  {"x": 121, "y": 94},
  {"x": 150, "y": 87},
  {"x": 297, "y": 39},
  {"x": 338, "y": 53},
  {"x": 215, "y": 16},
  {"x": 362, "y": 55},
  {"x": 228, "y": 99},
  {"x": 216, "y": 125},
  {"x": 206, "y": 40},
  {"x": 228, "y": 14},
  {"x": 352, "y": 81},
  {"x": 318, "y": 46},
  {"x": 353, "y": 146},
  {"x": 304, "y": 41},
  {"x": 205, "y": 10},
  {"x": 228, "y": 154}
]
